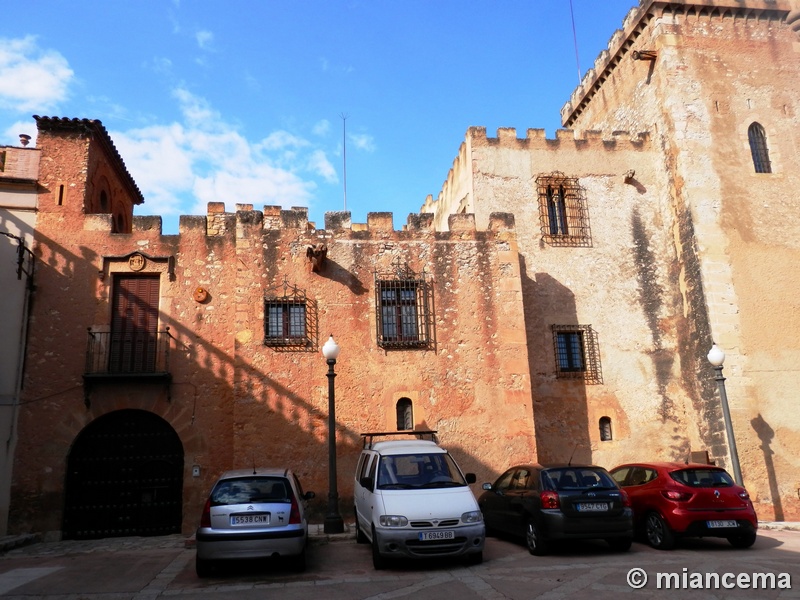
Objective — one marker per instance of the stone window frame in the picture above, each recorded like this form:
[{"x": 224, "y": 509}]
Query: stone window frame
[
  {"x": 563, "y": 210},
  {"x": 588, "y": 367}
]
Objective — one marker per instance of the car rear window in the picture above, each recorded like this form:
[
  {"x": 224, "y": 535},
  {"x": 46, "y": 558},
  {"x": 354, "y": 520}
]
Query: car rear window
[
  {"x": 702, "y": 477},
  {"x": 250, "y": 489},
  {"x": 574, "y": 478}
]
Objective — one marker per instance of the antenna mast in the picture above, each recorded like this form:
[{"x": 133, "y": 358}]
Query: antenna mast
[
  {"x": 344, "y": 156},
  {"x": 575, "y": 40}
]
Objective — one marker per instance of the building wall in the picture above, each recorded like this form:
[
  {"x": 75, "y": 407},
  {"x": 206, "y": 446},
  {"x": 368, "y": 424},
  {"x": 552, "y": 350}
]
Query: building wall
[
  {"x": 19, "y": 168},
  {"x": 682, "y": 231},
  {"x": 235, "y": 402},
  {"x": 716, "y": 70}
]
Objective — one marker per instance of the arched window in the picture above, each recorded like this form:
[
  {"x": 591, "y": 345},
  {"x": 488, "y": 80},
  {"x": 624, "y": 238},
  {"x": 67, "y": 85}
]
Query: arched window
[
  {"x": 605, "y": 429},
  {"x": 405, "y": 415},
  {"x": 758, "y": 148}
]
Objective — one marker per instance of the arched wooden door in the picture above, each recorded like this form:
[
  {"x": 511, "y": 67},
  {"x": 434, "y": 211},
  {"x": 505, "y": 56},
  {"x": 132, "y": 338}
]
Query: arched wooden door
[{"x": 124, "y": 478}]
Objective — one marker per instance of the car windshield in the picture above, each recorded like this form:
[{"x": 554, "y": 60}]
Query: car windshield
[
  {"x": 409, "y": 471},
  {"x": 578, "y": 478},
  {"x": 250, "y": 489},
  {"x": 702, "y": 477}
]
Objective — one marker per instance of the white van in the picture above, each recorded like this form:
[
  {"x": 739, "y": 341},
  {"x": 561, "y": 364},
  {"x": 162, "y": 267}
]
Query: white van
[{"x": 412, "y": 500}]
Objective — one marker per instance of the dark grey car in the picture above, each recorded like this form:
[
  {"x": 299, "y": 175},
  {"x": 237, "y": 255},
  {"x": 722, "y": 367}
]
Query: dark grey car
[{"x": 563, "y": 502}]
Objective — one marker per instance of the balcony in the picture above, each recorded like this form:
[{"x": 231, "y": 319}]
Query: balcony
[{"x": 137, "y": 356}]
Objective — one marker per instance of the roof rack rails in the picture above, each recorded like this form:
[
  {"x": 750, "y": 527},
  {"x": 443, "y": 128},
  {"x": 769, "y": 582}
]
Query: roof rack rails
[{"x": 368, "y": 437}]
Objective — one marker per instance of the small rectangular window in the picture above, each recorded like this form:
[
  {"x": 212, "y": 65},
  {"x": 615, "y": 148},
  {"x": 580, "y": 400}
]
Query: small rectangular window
[
  {"x": 2, "y": 160},
  {"x": 290, "y": 320},
  {"x": 576, "y": 352}
]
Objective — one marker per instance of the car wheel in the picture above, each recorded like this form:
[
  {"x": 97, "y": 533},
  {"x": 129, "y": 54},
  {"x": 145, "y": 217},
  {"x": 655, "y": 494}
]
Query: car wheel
[
  {"x": 537, "y": 545},
  {"x": 620, "y": 544},
  {"x": 202, "y": 567},
  {"x": 658, "y": 533},
  {"x": 361, "y": 537},
  {"x": 744, "y": 540},
  {"x": 298, "y": 562},
  {"x": 378, "y": 561},
  {"x": 475, "y": 558}
]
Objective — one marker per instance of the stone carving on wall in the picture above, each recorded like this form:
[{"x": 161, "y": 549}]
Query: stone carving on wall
[{"x": 317, "y": 256}]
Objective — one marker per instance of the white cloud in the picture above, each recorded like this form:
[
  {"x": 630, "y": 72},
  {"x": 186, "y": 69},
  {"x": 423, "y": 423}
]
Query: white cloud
[
  {"x": 318, "y": 163},
  {"x": 181, "y": 167},
  {"x": 204, "y": 39},
  {"x": 31, "y": 78},
  {"x": 322, "y": 128},
  {"x": 362, "y": 141}
]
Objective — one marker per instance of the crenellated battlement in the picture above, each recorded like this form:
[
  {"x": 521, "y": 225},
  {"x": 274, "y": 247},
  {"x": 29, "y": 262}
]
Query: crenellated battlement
[
  {"x": 247, "y": 221},
  {"x": 536, "y": 139},
  {"x": 624, "y": 44}
]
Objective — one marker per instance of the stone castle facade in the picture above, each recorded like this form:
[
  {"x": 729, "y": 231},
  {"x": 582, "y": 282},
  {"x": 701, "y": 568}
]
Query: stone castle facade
[{"x": 556, "y": 300}]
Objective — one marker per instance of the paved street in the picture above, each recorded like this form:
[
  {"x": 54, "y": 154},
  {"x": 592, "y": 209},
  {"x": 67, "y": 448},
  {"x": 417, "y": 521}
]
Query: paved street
[{"x": 150, "y": 568}]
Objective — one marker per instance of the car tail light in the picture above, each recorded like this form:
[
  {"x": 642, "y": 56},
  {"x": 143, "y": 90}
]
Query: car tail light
[
  {"x": 744, "y": 495},
  {"x": 676, "y": 495},
  {"x": 205, "y": 518},
  {"x": 294, "y": 515},
  {"x": 550, "y": 500},
  {"x": 626, "y": 500}
]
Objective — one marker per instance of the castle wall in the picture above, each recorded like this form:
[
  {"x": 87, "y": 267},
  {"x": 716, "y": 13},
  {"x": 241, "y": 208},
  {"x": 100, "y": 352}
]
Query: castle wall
[
  {"x": 715, "y": 72},
  {"x": 619, "y": 280},
  {"x": 233, "y": 401}
]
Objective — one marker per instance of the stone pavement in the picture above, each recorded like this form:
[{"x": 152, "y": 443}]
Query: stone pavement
[{"x": 142, "y": 568}]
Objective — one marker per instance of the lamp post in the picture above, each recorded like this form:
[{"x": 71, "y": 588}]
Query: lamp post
[
  {"x": 716, "y": 357},
  {"x": 333, "y": 520}
]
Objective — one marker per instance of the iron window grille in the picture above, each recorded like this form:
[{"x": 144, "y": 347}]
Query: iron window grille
[
  {"x": 563, "y": 212},
  {"x": 758, "y": 148},
  {"x": 577, "y": 353},
  {"x": 404, "y": 301},
  {"x": 290, "y": 319}
]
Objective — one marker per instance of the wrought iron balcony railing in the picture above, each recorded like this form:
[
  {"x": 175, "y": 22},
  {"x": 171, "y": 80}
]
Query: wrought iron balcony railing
[{"x": 135, "y": 353}]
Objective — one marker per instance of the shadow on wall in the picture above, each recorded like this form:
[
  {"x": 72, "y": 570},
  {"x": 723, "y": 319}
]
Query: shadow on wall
[
  {"x": 207, "y": 379},
  {"x": 560, "y": 411},
  {"x": 766, "y": 434}
]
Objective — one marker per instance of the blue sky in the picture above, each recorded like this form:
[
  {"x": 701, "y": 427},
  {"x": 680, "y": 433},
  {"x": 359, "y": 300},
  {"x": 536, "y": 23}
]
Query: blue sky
[{"x": 242, "y": 101}]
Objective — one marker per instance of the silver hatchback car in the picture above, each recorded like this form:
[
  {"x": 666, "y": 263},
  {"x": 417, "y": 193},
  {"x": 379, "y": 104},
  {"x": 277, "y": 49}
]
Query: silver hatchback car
[{"x": 253, "y": 513}]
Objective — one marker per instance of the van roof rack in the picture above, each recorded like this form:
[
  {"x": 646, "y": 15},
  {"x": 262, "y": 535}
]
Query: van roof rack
[{"x": 420, "y": 435}]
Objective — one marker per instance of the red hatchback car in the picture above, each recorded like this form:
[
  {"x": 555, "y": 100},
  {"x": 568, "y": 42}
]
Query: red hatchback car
[{"x": 672, "y": 500}]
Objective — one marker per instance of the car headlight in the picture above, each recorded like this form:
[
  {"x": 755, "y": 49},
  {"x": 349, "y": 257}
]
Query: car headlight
[
  {"x": 473, "y": 516},
  {"x": 393, "y": 521}
]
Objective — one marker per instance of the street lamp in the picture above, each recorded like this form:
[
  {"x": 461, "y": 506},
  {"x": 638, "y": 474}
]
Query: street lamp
[
  {"x": 333, "y": 520},
  {"x": 716, "y": 357}
]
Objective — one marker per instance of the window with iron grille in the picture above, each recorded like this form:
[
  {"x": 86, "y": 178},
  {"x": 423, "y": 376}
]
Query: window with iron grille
[
  {"x": 404, "y": 315},
  {"x": 758, "y": 148},
  {"x": 289, "y": 320},
  {"x": 605, "y": 429},
  {"x": 563, "y": 213},
  {"x": 577, "y": 353}
]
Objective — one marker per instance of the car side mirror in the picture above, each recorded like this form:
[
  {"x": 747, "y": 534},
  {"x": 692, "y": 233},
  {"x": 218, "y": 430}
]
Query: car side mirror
[
  {"x": 487, "y": 487},
  {"x": 470, "y": 477},
  {"x": 309, "y": 495},
  {"x": 367, "y": 483}
]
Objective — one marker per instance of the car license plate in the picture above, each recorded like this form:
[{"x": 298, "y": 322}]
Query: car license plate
[
  {"x": 592, "y": 506},
  {"x": 718, "y": 524},
  {"x": 250, "y": 519},
  {"x": 431, "y": 536}
]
